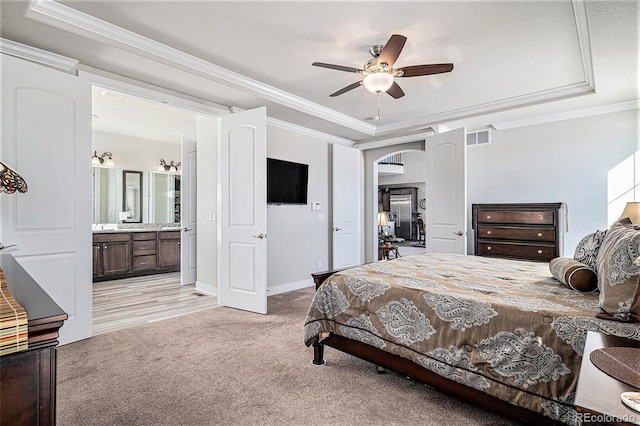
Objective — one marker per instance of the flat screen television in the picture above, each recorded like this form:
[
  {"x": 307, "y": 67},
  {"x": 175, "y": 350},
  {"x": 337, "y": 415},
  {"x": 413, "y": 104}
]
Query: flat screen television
[{"x": 286, "y": 182}]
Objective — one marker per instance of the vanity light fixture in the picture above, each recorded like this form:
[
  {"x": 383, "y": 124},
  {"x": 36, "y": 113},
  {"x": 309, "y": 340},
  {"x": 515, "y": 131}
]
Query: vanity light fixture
[
  {"x": 171, "y": 167},
  {"x": 106, "y": 159}
]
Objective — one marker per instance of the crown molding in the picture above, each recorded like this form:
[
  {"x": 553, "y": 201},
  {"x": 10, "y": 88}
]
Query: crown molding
[
  {"x": 582, "y": 29},
  {"x": 61, "y": 16},
  {"x": 285, "y": 125},
  {"x": 491, "y": 107},
  {"x": 56, "y": 14},
  {"x": 578, "y": 113},
  {"x": 36, "y": 55},
  {"x": 149, "y": 92},
  {"x": 379, "y": 143}
]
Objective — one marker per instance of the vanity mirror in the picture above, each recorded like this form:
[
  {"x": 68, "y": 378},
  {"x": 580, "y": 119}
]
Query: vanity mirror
[
  {"x": 131, "y": 196},
  {"x": 153, "y": 197}
]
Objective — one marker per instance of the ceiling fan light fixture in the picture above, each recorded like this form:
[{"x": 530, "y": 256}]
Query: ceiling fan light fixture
[{"x": 378, "y": 82}]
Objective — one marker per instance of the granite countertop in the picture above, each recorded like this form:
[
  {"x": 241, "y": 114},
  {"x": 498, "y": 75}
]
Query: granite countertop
[{"x": 141, "y": 229}]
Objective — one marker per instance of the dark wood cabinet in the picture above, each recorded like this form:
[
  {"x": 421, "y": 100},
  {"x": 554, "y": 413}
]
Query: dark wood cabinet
[
  {"x": 168, "y": 249},
  {"x": 125, "y": 254},
  {"x": 112, "y": 254},
  {"x": 144, "y": 251},
  {"x": 529, "y": 231},
  {"x": 28, "y": 378}
]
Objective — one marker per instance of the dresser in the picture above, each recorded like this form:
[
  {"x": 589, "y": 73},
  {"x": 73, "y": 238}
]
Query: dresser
[
  {"x": 28, "y": 378},
  {"x": 529, "y": 231}
]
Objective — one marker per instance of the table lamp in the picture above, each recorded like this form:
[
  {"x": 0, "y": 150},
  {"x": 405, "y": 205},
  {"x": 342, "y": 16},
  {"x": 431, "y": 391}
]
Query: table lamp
[{"x": 632, "y": 211}]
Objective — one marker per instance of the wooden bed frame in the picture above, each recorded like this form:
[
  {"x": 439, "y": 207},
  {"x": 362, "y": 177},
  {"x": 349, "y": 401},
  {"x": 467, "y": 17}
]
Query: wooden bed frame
[{"x": 408, "y": 368}]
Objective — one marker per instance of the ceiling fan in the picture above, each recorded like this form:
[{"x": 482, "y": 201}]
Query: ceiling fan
[{"x": 379, "y": 74}]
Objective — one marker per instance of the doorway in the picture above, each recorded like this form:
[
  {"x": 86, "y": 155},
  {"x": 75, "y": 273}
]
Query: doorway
[
  {"x": 401, "y": 186},
  {"x": 147, "y": 140}
]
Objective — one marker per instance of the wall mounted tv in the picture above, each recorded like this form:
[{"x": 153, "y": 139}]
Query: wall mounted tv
[{"x": 286, "y": 182}]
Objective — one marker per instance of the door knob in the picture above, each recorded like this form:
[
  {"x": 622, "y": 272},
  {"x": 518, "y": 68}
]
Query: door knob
[
  {"x": 337, "y": 229},
  {"x": 187, "y": 229},
  {"x": 460, "y": 233},
  {"x": 260, "y": 236}
]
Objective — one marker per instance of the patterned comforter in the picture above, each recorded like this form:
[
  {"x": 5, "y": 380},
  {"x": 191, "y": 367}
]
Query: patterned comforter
[{"x": 504, "y": 327}]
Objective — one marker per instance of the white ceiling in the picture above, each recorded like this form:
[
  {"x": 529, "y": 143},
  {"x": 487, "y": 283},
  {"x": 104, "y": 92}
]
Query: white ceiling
[{"x": 514, "y": 60}]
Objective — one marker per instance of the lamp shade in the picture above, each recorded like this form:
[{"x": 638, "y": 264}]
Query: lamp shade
[
  {"x": 382, "y": 219},
  {"x": 632, "y": 211},
  {"x": 10, "y": 180},
  {"x": 378, "y": 82}
]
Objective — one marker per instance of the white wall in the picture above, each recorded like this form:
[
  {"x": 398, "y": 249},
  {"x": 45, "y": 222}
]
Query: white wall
[
  {"x": 207, "y": 204},
  {"x": 565, "y": 161},
  {"x": 134, "y": 153},
  {"x": 297, "y": 237},
  {"x": 297, "y": 240}
]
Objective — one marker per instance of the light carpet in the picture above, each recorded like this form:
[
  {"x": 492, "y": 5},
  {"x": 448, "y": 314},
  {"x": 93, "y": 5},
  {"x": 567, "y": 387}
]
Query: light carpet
[{"x": 229, "y": 367}]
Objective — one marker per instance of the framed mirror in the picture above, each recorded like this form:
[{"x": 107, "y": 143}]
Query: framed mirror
[{"x": 132, "y": 196}]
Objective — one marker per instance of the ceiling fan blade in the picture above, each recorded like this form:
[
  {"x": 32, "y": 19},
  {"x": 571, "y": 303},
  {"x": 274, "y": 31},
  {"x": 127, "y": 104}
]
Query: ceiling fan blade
[
  {"x": 395, "y": 91},
  {"x": 418, "y": 70},
  {"x": 392, "y": 49},
  {"x": 336, "y": 67},
  {"x": 346, "y": 89}
]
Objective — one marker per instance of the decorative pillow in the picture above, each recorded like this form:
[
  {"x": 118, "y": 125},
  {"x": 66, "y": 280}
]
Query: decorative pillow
[
  {"x": 574, "y": 274},
  {"x": 619, "y": 273},
  {"x": 588, "y": 248}
]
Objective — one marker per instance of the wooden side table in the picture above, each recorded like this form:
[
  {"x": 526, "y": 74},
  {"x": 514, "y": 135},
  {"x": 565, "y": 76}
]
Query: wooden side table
[{"x": 598, "y": 394}]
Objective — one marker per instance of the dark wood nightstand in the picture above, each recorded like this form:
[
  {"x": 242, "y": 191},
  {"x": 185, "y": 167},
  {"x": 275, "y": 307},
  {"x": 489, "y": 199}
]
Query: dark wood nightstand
[{"x": 598, "y": 394}]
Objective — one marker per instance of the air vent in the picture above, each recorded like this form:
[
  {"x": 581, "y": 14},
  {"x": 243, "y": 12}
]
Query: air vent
[{"x": 480, "y": 137}]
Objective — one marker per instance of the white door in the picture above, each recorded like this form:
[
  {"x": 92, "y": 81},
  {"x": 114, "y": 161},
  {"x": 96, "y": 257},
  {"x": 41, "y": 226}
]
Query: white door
[
  {"x": 46, "y": 137},
  {"x": 242, "y": 253},
  {"x": 446, "y": 193},
  {"x": 347, "y": 193},
  {"x": 189, "y": 223}
]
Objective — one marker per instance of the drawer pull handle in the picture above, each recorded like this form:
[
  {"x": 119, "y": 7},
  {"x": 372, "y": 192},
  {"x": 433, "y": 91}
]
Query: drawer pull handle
[
  {"x": 540, "y": 217},
  {"x": 488, "y": 247},
  {"x": 488, "y": 232},
  {"x": 488, "y": 216},
  {"x": 143, "y": 263},
  {"x": 539, "y": 234},
  {"x": 539, "y": 251}
]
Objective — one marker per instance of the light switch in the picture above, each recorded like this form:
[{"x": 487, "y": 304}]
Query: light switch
[{"x": 315, "y": 206}]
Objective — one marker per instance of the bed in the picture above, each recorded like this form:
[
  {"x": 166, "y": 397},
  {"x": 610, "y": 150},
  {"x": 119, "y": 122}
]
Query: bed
[{"x": 499, "y": 333}]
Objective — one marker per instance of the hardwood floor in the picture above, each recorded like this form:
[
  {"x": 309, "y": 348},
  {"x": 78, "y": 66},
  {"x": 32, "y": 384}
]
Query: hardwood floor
[{"x": 124, "y": 303}]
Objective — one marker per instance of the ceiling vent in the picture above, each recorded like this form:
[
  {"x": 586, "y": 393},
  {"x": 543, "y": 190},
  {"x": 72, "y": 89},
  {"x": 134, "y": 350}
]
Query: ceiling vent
[{"x": 480, "y": 137}]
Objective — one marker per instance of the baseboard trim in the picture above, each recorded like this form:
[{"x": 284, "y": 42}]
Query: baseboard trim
[
  {"x": 207, "y": 288},
  {"x": 284, "y": 288}
]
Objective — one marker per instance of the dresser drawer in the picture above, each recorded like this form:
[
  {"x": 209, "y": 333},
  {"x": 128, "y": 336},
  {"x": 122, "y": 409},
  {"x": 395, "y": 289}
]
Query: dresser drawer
[
  {"x": 141, "y": 263},
  {"x": 522, "y": 217},
  {"x": 141, "y": 248},
  {"x": 143, "y": 236},
  {"x": 516, "y": 233},
  {"x": 542, "y": 252}
]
